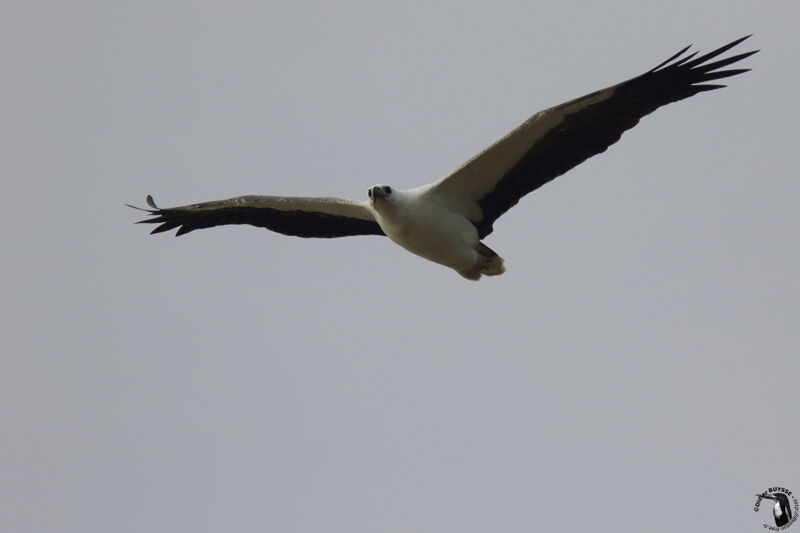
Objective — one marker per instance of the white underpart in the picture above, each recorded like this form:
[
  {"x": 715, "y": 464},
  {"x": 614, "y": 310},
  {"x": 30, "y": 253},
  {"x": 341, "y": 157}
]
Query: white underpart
[
  {"x": 421, "y": 221},
  {"x": 480, "y": 175},
  {"x": 432, "y": 221}
]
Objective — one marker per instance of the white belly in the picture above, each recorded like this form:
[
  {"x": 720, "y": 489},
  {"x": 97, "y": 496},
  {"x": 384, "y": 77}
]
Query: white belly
[{"x": 436, "y": 234}]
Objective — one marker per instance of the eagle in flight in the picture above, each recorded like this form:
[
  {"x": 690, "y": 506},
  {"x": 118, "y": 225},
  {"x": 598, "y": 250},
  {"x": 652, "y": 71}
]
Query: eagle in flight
[{"x": 445, "y": 221}]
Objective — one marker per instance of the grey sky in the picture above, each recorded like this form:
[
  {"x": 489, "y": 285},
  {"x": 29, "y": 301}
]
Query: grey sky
[{"x": 635, "y": 369}]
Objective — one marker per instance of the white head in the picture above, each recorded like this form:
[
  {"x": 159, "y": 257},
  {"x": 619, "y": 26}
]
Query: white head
[{"x": 378, "y": 193}]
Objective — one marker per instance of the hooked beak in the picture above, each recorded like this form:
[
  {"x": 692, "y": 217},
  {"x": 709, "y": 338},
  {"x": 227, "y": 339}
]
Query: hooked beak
[{"x": 377, "y": 192}]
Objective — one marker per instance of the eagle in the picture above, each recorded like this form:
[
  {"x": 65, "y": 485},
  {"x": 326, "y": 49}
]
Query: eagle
[{"x": 447, "y": 220}]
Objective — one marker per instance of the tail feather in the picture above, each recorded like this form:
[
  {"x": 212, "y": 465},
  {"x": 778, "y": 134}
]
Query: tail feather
[{"x": 493, "y": 266}]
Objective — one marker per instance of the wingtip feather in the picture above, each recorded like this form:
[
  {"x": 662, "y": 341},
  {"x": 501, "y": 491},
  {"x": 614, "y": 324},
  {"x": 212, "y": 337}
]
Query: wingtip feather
[
  {"x": 674, "y": 56},
  {"x": 162, "y": 228}
]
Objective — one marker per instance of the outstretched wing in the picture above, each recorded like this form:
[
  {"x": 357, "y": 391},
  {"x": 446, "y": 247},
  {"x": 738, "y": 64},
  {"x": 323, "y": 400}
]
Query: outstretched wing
[
  {"x": 557, "y": 139},
  {"x": 302, "y": 217}
]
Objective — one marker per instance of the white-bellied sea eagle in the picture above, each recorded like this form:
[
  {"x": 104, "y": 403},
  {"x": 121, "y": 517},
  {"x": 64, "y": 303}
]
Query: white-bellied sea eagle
[{"x": 445, "y": 221}]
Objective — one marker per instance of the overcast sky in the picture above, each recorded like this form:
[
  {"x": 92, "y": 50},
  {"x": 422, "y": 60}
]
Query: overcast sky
[{"x": 637, "y": 368}]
